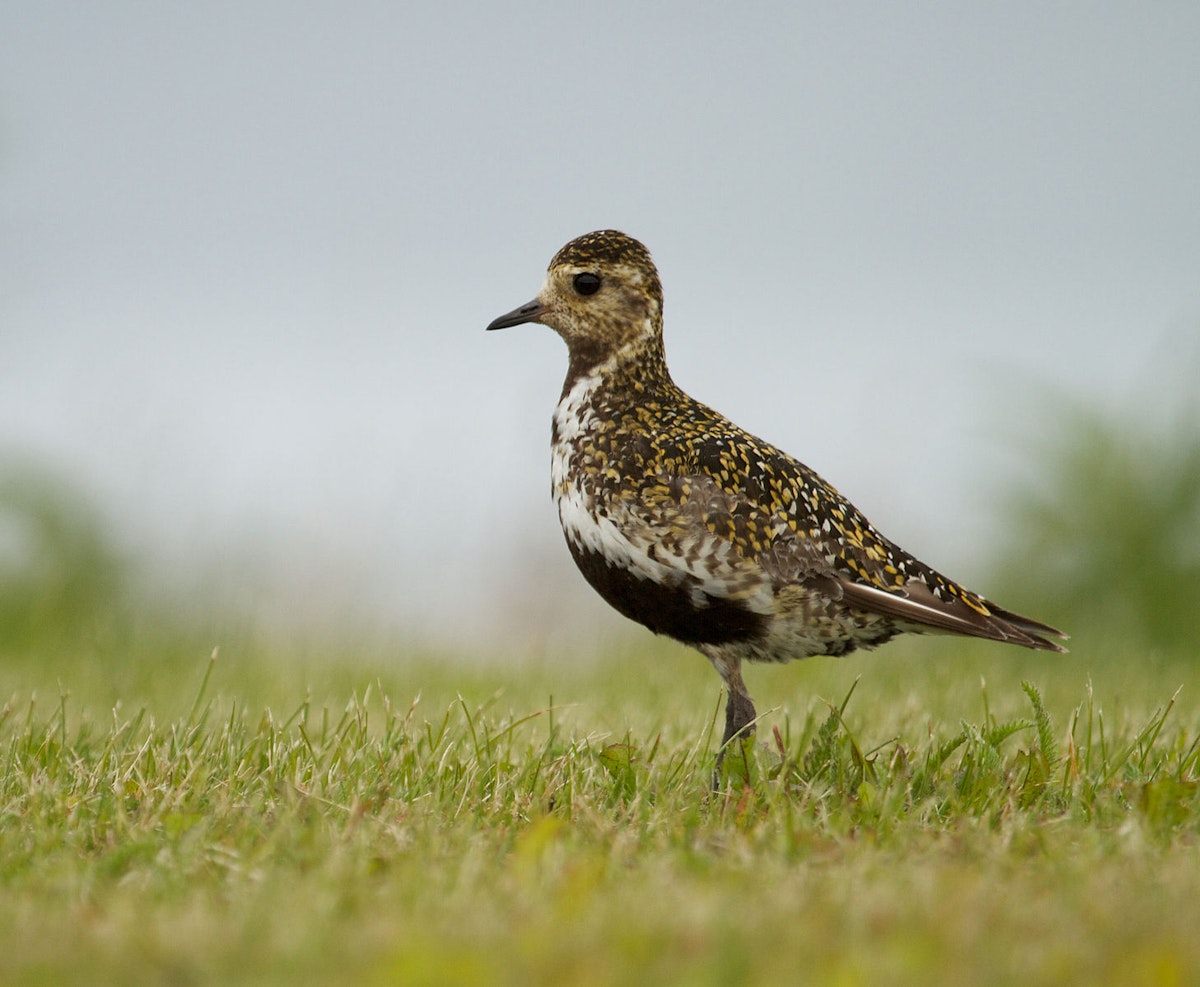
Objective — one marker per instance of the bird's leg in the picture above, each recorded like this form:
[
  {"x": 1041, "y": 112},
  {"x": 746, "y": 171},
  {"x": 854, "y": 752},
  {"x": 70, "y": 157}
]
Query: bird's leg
[
  {"x": 739, "y": 716},
  {"x": 739, "y": 713}
]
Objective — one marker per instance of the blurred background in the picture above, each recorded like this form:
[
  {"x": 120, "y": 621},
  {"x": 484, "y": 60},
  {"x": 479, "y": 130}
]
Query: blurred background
[{"x": 948, "y": 255}]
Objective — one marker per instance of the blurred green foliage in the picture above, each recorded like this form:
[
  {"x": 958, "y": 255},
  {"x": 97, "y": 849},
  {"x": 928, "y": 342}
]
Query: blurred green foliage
[
  {"x": 1103, "y": 539},
  {"x": 1106, "y": 536},
  {"x": 61, "y": 574}
]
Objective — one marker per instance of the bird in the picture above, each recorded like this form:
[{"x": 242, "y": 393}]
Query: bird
[{"x": 700, "y": 531}]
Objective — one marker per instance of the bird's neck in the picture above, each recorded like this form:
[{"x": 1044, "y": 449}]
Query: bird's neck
[{"x": 639, "y": 364}]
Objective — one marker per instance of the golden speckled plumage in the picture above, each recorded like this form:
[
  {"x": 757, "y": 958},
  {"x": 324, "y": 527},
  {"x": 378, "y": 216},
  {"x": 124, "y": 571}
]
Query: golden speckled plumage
[{"x": 698, "y": 529}]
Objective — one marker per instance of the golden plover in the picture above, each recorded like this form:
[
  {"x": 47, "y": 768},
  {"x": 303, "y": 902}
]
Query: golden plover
[{"x": 693, "y": 527}]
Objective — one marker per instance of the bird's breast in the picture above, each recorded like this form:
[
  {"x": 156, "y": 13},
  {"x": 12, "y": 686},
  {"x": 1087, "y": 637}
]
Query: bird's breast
[{"x": 574, "y": 423}]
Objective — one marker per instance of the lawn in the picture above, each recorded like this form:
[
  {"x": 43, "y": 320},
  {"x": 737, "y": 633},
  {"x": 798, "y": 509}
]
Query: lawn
[{"x": 937, "y": 812}]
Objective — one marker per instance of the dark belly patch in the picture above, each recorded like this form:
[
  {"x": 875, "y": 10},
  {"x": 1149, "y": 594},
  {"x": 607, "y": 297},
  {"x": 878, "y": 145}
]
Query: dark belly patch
[{"x": 668, "y": 609}]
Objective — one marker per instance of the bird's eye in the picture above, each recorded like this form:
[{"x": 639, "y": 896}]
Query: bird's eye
[{"x": 587, "y": 283}]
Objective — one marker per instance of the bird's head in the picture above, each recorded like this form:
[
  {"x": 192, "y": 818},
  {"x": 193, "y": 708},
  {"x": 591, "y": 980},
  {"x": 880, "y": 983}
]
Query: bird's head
[{"x": 601, "y": 295}]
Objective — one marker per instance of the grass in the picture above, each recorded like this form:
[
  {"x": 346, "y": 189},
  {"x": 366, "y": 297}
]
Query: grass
[{"x": 418, "y": 820}]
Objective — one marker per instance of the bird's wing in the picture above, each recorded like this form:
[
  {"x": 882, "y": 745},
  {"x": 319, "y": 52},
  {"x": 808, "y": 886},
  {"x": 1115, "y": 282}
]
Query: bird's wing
[{"x": 799, "y": 530}]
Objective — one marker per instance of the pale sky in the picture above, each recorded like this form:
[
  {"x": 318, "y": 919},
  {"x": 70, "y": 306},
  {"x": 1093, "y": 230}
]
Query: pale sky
[{"x": 248, "y": 251}]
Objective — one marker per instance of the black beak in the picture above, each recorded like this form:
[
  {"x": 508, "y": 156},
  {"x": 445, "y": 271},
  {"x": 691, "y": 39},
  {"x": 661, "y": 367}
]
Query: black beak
[{"x": 529, "y": 312}]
